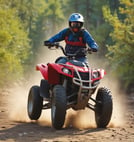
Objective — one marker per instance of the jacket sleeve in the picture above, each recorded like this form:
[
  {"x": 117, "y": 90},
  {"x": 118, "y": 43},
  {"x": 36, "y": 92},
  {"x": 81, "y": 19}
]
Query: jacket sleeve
[
  {"x": 90, "y": 41},
  {"x": 58, "y": 37}
]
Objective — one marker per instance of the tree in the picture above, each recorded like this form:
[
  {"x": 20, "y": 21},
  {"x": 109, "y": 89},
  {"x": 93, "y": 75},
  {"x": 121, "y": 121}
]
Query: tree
[
  {"x": 121, "y": 53},
  {"x": 48, "y": 20},
  {"x": 54, "y": 15},
  {"x": 14, "y": 45}
]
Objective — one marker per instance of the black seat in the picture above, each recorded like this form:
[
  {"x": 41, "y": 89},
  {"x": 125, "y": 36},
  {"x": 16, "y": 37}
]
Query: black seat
[{"x": 77, "y": 63}]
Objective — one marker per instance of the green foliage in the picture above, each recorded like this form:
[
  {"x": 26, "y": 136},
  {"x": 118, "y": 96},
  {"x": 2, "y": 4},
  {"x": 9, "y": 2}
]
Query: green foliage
[
  {"x": 26, "y": 23},
  {"x": 121, "y": 53},
  {"x": 13, "y": 45},
  {"x": 10, "y": 68},
  {"x": 48, "y": 21},
  {"x": 54, "y": 14}
]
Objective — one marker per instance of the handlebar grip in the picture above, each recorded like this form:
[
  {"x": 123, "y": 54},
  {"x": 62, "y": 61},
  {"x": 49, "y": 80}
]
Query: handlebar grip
[
  {"x": 94, "y": 50},
  {"x": 48, "y": 43}
]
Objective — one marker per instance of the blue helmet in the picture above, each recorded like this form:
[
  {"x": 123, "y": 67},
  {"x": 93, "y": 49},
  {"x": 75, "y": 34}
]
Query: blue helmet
[{"x": 76, "y": 17}]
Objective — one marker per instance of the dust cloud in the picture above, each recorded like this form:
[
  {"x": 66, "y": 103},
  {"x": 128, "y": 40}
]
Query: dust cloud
[
  {"x": 83, "y": 119},
  {"x": 119, "y": 105},
  {"x": 17, "y": 101}
]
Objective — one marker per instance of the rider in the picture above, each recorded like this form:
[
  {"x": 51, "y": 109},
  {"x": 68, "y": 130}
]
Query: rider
[{"x": 75, "y": 38}]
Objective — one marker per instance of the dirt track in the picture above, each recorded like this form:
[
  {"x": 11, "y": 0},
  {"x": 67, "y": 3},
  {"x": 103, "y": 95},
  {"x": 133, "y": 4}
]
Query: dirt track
[{"x": 14, "y": 129}]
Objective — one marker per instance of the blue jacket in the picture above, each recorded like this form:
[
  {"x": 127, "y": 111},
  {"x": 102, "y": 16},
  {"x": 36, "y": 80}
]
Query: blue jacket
[{"x": 73, "y": 41}]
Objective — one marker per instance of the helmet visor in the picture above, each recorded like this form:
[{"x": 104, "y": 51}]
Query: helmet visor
[{"x": 75, "y": 24}]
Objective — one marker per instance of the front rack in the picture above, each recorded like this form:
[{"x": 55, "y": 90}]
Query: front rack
[{"x": 80, "y": 82}]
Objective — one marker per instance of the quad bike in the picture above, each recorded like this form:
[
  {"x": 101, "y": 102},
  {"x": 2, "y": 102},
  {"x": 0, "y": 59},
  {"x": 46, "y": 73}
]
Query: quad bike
[{"x": 70, "y": 85}]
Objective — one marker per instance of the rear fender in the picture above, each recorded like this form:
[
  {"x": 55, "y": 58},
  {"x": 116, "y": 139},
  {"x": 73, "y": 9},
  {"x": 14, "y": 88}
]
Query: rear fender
[{"x": 43, "y": 69}]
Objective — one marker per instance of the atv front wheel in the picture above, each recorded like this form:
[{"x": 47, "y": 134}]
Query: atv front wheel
[
  {"x": 103, "y": 107},
  {"x": 58, "y": 110},
  {"x": 35, "y": 103}
]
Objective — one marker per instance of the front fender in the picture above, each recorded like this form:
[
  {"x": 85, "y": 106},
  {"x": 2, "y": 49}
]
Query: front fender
[
  {"x": 43, "y": 69},
  {"x": 54, "y": 72},
  {"x": 102, "y": 72}
]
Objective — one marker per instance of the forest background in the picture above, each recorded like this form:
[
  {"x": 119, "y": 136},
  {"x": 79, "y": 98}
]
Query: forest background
[{"x": 25, "y": 24}]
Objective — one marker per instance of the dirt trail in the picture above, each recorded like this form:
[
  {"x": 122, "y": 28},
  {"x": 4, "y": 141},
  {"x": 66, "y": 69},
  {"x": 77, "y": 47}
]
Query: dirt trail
[{"x": 16, "y": 127}]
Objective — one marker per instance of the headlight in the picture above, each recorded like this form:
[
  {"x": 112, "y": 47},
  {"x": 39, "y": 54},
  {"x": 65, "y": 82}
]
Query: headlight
[
  {"x": 67, "y": 71},
  {"x": 96, "y": 74}
]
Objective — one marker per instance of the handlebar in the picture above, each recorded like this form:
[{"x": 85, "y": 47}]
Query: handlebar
[{"x": 57, "y": 45}]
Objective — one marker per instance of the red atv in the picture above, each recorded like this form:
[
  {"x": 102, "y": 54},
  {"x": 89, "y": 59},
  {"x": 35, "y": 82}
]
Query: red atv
[{"x": 69, "y": 85}]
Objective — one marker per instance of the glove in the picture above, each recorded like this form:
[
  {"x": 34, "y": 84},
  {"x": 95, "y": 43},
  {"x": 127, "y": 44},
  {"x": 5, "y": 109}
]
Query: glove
[
  {"x": 94, "y": 50},
  {"x": 47, "y": 43}
]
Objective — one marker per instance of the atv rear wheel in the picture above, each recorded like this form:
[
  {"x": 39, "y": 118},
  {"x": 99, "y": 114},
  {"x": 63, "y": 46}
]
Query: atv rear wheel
[
  {"x": 103, "y": 107},
  {"x": 35, "y": 103},
  {"x": 58, "y": 110}
]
